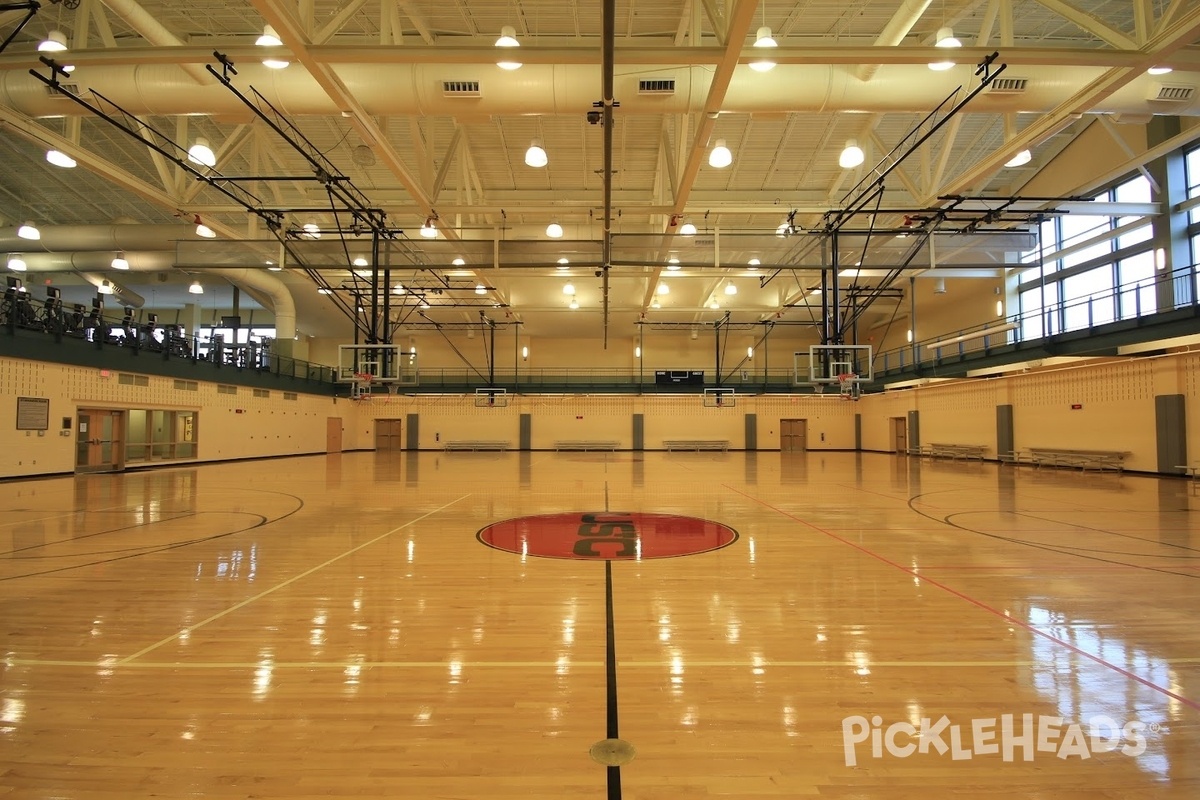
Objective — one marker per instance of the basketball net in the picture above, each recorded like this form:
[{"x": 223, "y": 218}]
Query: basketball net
[
  {"x": 360, "y": 386},
  {"x": 847, "y": 385}
]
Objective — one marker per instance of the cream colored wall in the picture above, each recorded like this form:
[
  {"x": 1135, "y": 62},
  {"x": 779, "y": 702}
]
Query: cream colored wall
[
  {"x": 1117, "y": 413},
  {"x": 230, "y": 426},
  {"x": 610, "y": 418},
  {"x": 1090, "y": 156},
  {"x": 1117, "y": 399}
]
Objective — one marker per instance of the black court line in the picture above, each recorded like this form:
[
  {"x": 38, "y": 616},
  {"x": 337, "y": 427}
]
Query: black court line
[{"x": 610, "y": 670}]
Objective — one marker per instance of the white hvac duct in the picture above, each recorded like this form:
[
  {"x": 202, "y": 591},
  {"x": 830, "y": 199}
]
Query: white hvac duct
[
  {"x": 152, "y": 89},
  {"x": 148, "y": 248}
]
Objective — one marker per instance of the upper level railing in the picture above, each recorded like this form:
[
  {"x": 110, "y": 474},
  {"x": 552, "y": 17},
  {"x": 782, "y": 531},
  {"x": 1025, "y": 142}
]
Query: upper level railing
[
  {"x": 1129, "y": 301},
  {"x": 20, "y": 312}
]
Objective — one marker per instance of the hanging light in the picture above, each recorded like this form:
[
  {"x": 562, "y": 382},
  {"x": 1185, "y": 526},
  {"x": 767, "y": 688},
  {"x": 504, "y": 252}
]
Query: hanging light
[
  {"x": 525, "y": 353},
  {"x": 664, "y": 289},
  {"x": 508, "y": 38},
  {"x": 311, "y": 230},
  {"x": 479, "y": 289},
  {"x": 55, "y": 42},
  {"x": 105, "y": 287},
  {"x": 195, "y": 288},
  {"x": 29, "y": 231},
  {"x": 673, "y": 264},
  {"x": 398, "y": 289},
  {"x": 730, "y": 288},
  {"x": 763, "y": 40},
  {"x": 269, "y": 38},
  {"x": 637, "y": 351},
  {"x": 1020, "y": 159},
  {"x": 1158, "y": 70},
  {"x": 655, "y": 304},
  {"x": 16, "y": 264},
  {"x": 273, "y": 267},
  {"x": 852, "y": 155},
  {"x": 200, "y": 153},
  {"x": 564, "y": 263},
  {"x": 120, "y": 262},
  {"x": 944, "y": 38},
  {"x": 429, "y": 230},
  {"x": 754, "y": 262},
  {"x": 536, "y": 156},
  {"x": 573, "y": 304},
  {"x": 60, "y": 159},
  {"x": 275, "y": 63},
  {"x": 720, "y": 156},
  {"x": 458, "y": 262},
  {"x": 568, "y": 288},
  {"x": 687, "y": 229},
  {"x": 783, "y": 230},
  {"x": 359, "y": 262},
  {"x": 750, "y": 352},
  {"x": 203, "y": 230},
  {"x": 714, "y": 304},
  {"x": 554, "y": 230}
]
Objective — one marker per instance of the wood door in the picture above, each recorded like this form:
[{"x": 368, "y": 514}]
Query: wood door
[
  {"x": 793, "y": 435},
  {"x": 387, "y": 434},
  {"x": 100, "y": 440},
  {"x": 899, "y": 435},
  {"x": 333, "y": 435}
]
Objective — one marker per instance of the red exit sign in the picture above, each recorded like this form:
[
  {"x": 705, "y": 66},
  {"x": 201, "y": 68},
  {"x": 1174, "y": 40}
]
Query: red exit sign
[{"x": 1076, "y": 406}]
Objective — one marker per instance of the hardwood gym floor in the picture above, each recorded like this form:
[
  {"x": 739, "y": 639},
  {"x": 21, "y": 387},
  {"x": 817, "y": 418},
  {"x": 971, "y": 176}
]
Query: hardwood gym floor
[{"x": 331, "y": 626}]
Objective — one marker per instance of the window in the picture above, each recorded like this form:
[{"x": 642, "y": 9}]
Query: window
[
  {"x": 1136, "y": 277},
  {"x": 1088, "y": 298},
  {"x": 156, "y": 435}
]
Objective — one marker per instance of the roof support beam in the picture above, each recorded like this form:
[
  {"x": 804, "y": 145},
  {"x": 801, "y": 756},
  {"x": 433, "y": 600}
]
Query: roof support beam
[
  {"x": 1091, "y": 24},
  {"x": 329, "y": 29},
  {"x": 1161, "y": 45},
  {"x": 739, "y": 28},
  {"x": 898, "y": 27},
  {"x": 154, "y": 32},
  {"x": 294, "y": 36}
]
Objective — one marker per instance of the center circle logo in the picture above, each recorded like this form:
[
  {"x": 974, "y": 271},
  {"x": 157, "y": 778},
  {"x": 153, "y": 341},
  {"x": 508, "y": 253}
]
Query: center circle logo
[{"x": 607, "y": 535}]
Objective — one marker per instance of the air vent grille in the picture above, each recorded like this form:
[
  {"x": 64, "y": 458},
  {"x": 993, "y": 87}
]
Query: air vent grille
[
  {"x": 1174, "y": 94},
  {"x": 1008, "y": 85},
  {"x": 461, "y": 89},
  {"x": 656, "y": 86},
  {"x": 63, "y": 89},
  {"x": 223, "y": 388},
  {"x": 133, "y": 380}
]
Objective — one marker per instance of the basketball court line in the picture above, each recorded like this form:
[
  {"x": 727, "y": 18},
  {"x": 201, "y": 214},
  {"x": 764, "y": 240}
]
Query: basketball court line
[
  {"x": 288, "y": 582},
  {"x": 978, "y": 603},
  {"x": 549, "y": 665}
]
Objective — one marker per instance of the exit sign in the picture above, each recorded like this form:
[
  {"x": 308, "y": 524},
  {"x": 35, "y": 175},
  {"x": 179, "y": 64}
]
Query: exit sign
[{"x": 1076, "y": 406}]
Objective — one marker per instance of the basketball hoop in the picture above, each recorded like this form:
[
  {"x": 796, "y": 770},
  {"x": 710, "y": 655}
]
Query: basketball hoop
[
  {"x": 848, "y": 385},
  {"x": 360, "y": 385}
]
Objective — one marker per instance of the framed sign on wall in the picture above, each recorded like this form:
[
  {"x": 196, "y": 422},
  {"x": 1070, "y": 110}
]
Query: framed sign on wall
[{"x": 33, "y": 413}]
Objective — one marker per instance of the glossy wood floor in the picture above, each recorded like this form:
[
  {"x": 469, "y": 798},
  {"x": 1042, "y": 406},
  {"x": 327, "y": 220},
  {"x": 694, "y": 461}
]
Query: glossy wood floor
[{"x": 330, "y": 627}]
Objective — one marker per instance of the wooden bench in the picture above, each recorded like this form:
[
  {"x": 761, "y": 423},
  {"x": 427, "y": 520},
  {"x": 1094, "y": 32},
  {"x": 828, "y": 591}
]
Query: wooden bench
[
  {"x": 477, "y": 444},
  {"x": 1083, "y": 459},
  {"x": 586, "y": 444},
  {"x": 963, "y": 451},
  {"x": 696, "y": 444}
]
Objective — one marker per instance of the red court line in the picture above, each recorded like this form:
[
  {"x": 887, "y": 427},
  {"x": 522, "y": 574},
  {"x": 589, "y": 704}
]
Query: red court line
[{"x": 977, "y": 603}]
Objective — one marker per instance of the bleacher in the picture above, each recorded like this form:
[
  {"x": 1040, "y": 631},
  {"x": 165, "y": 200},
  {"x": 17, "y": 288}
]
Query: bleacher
[
  {"x": 696, "y": 444},
  {"x": 477, "y": 444},
  {"x": 586, "y": 444}
]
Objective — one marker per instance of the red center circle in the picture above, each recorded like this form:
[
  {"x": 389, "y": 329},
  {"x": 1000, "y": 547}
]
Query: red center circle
[{"x": 607, "y": 535}]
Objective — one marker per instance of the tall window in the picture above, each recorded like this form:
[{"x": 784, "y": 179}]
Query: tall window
[
  {"x": 1192, "y": 161},
  {"x": 1097, "y": 268}
]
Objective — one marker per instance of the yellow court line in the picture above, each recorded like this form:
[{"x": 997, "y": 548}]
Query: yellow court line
[
  {"x": 341, "y": 665},
  {"x": 288, "y": 582}
]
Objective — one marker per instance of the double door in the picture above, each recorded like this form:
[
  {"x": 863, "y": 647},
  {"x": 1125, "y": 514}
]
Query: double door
[
  {"x": 100, "y": 440},
  {"x": 793, "y": 435}
]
